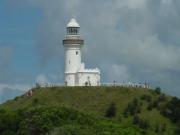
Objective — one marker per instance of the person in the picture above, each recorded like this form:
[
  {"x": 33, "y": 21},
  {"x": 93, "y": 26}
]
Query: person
[
  {"x": 29, "y": 93},
  {"x": 114, "y": 83},
  {"x": 66, "y": 83}
]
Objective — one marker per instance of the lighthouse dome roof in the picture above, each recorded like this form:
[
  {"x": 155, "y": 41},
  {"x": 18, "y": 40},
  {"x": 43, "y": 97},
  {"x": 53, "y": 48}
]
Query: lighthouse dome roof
[{"x": 73, "y": 23}]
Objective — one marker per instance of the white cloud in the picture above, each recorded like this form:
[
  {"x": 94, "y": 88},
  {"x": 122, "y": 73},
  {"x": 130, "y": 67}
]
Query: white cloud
[
  {"x": 167, "y": 8},
  {"x": 9, "y": 91},
  {"x": 139, "y": 36},
  {"x": 5, "y": 55},
  {"x": 152, "y": 53},
  {"x": 42, "y": 79},
  {"x": 21, "y": 87},
  {"x": 119, "y": 73},
  {"x": 132, "y": 4}
]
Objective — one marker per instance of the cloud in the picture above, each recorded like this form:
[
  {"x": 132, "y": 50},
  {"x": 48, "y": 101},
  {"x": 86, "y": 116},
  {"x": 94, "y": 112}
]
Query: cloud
[
  {"x": 7, "y": 94},
  {"x": 135, "y": 39},
  {"x": 119, "y": 73},
  {"x": 6, "y": 53},
  {"x": 21, "y": 87},
  {"x": 42, "y": 79},
  {"x": 152, "y": 53},
  {"x": 9, "y": 91},
  {"x": 132, "y": 4}
]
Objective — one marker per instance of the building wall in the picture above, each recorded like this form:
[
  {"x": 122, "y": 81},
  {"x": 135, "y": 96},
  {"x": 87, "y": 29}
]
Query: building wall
[
  {"x": 70, "y": 79},
  {"x": 72, "y": 59},
  {"x": 75, "y": 72},
  {"x": 88, "y": 79}
]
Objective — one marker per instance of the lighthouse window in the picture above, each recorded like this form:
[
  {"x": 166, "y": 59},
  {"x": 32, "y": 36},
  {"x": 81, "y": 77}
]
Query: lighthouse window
[
  {"x": 75, "y": 31},
  {"x": 70, "y": 30},
  {"x": 76, "y": 52}
]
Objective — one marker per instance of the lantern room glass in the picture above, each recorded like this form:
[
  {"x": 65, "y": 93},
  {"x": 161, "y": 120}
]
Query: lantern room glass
[{"x": 72, "y": 31}]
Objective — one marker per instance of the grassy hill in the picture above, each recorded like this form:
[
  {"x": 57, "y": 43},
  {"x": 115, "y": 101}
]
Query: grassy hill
[{"x": 135, "y": 108}]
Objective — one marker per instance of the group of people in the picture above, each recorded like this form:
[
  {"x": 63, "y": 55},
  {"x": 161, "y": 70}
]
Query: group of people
[{"x": 129, "y": 84}]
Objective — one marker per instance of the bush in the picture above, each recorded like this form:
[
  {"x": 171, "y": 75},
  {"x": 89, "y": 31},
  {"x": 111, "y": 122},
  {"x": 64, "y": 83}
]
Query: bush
[
  {"x": 133, "y": 108},
  {"x": 144, "y": 124},
  {"x": 177, "y": 131},
  {"x": 162, "y": 98},
  {"x": 157, "y": 130},
  {"x": 147, "y": 98},
  {"x": 158, "y": 90},
  {"x": 136, "y": 120},
  {"x": 16, "y": 98},
  {"x": 172, "y": 110},
  {"x": 111, "y": 110},
  {"x": 150, "y": 107},
  {"x": 35, "y": 101},
  {"x": 160, "y": 128}
]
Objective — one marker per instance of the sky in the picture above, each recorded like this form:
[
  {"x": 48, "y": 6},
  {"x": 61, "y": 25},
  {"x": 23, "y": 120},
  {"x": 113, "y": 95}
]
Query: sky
[{"x": 129, "y": 40}]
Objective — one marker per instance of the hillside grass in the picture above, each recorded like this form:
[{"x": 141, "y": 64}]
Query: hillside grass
[{"x": 95, "y": 100}]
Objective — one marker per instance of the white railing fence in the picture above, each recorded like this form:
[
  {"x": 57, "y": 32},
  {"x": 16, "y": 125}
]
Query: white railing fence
[{"x": 115, "y": 84}]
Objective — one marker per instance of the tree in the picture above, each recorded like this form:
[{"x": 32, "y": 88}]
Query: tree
[
  {"x": 136, "y": 120},
  {"x": 133, "y": 108},
  {"x": 35, "y": 101},
  {"x": 177, "y": 131},
  {"x": 158, "y": 90},
  {"x": 150, "y": 107},
  {"x": 144, "y": 124},
  {"x": 147, "y": 98},
  {"x": 111, "y": 110},
  {"x": 172, "y": 110}
]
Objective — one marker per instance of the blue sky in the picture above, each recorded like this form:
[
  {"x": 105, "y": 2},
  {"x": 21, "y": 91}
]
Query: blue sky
[
  {"x": 18, "y": 30},
  {"x": 129, "y": 40}
]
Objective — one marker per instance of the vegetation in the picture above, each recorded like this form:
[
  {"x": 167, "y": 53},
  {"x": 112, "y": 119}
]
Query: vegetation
[
  {"x": 91, "y": 110},
  {"x": 158, "y": 90},
  {"x": 111, "y": 111},
  {"x": 51, "y": 120},
  {"x": 172, "y": 110}
]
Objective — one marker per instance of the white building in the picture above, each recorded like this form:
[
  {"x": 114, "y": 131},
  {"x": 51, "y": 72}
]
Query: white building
[{"x": 75, "y": 72}]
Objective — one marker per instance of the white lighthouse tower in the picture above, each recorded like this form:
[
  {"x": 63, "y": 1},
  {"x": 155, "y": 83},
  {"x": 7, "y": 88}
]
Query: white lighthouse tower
[{"x": 75, "y": 72}]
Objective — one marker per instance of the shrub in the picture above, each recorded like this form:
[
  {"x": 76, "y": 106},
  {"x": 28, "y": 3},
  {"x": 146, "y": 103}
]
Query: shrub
[
  {"x": 16, "y": 98},
  {"x": 111, "y": 110},
  {"x": 132, "y": 108},
  {"x": 160, "y": 128},
  {"x": 172, "y": 110},
  {"x": 144, "y": 124},
  {"x": 150, "y": 107},
  {"x": 147, "y": 98},
  {"x": 157, "y": 129},
  {"x": 177, "y": 131},
  {"x": 136, "y": 120},
  {"x": 158, "y": 90},
  {"x": 35, "y": 101},
  {"x": 135, "y": 101},
  {"x": 162, "y": 98}
]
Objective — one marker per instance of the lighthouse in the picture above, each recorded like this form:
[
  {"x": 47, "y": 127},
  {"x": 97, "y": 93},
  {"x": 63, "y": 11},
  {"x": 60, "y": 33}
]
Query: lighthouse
[{"x": 75, "y": 73}]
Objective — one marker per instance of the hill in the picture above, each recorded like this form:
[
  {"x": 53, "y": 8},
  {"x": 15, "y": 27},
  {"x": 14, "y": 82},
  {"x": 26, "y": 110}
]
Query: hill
[{"x": 111, "y": 110}]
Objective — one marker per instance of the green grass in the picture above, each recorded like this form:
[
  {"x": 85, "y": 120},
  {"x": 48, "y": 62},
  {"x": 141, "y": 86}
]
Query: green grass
[{"x": 94, "y": 100}]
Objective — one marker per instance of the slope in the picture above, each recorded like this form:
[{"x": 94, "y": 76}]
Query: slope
[{"x": 134, "y": 106}]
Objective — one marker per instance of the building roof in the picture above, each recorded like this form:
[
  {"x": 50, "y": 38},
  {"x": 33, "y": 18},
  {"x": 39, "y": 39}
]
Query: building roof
[{"x": 73, "y": 23}]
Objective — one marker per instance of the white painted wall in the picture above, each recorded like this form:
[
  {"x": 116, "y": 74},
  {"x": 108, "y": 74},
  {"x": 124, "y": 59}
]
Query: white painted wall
[
  {"x": 93, "y": 79},
  {"x": 72, "y": 59},
  {"x": 75, "y": 72},
  {"x": 70, "y": 79}
]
